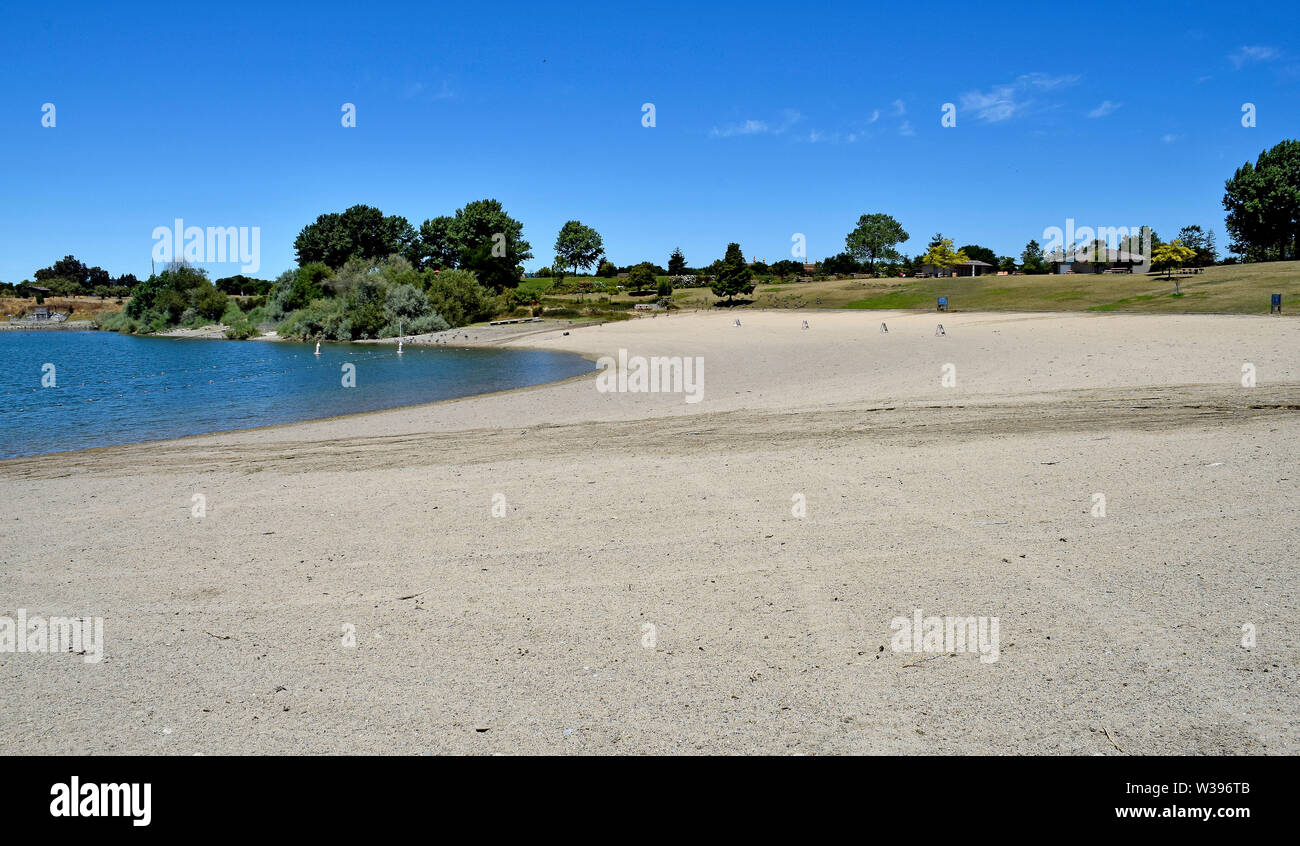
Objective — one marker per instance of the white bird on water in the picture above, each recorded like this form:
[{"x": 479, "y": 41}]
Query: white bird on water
[
  {"x": 399, "y": 338},
  {"x": 318, "y": 348}
]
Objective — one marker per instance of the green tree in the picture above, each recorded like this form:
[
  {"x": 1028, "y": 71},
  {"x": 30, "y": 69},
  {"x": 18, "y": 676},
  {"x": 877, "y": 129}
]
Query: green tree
[
  {"x": 243, "y": 285},
  {"x": 1032, "y": 259},
  {"x": 786, "y": 268},
  {"x": 841, "y": 264},
  {"x": 490, "y": 243},
  {"x": 578, "y": 246},
  {"x": 436, "y": 248},
  {"x": 874, "y": 239},
  {"x": 458, "y": 296},
  {"x": 365, "y": 308},
  {"x": 607, "y": 270},
  {"x": 1202, "y": 242},
  {"x": 170, "y": 305},
  {"x": 558, "y": 272},
  {"x": 63, "y": 287},
  {"x": 978, "y": 253},
  {"x": 734, "y": 276},
  {"x": 1263, "y": 205},
  {"x": 76, "y": 277},
  {"x": 677, "y": 263},
  {"x": 640, "y": 278},
  {"x": 166, "y": 295},
  {"x": 209, "y": 302},
  {"x": 360, "y": 232},
  {"x": 296, "y": 288}
]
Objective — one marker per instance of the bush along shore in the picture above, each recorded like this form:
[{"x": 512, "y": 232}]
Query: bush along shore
[
  {"x": 361, "y": 300},
  {"x": 361, "y": 275}
]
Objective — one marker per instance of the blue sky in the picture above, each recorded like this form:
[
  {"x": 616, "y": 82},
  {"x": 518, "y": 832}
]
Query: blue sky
[{"x": 771, "y": 119}]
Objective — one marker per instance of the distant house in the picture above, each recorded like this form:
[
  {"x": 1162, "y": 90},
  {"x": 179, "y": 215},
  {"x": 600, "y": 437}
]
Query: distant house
[
  {"x": 973, "y": 267},
  {"x": 1083, "y": 261},
  {"x": 41, "y": 314}
]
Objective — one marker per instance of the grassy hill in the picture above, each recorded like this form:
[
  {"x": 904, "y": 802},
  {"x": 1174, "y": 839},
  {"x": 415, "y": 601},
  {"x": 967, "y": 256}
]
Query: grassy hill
[
  {"x": 78, "y": 308},
  {"x": 1236, "y": 289}
]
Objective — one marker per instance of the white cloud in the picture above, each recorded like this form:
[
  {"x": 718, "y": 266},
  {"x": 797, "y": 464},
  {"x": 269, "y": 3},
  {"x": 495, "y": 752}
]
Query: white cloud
[
  {"x": 899, "y": 108},
  {"x": 749, "y": 127},
  {"x": 906, "y": 128},
  {"x": 420, "y": 91},
  {"x": 1104, "y": 109},
  {"x": 758, "y": 127},
  {"x": 1257, "y": 53},
  {"x": 875, "y": 116},
  {"x": 1006, "y": 101},
  {"x": 817, "y": 136},
  {"x": 1168, "y": 138},
  {"x": 1042, "y": 80}
]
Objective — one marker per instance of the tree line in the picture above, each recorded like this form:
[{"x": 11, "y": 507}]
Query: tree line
[{"x": 1261, "y": 200}]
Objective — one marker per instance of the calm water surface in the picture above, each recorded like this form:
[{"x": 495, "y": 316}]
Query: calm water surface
[{"x": 116, "y": 389}]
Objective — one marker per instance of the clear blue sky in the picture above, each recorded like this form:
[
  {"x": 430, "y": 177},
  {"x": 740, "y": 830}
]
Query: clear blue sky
[{"x": 772, "y": 119}]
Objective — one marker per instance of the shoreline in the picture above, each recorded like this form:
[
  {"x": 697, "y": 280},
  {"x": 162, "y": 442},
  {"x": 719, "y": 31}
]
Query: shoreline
[
  {"x": 510, "y": 336},
  {"x": 50, "y": 326},
  {"x": 181, "y": 440}
]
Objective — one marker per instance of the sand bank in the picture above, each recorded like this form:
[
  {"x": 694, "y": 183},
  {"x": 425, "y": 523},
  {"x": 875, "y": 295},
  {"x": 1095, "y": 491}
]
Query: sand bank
[{"x": 648, "y": 585}]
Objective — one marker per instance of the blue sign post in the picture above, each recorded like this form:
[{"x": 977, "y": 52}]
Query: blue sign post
[{"x": 1276, "y": 304}]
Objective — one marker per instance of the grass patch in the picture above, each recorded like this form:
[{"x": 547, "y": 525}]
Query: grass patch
[
  {"x": 893, "y": 300},
  {"x": 1229, "y": 289},
  {"x": 1124, "y": 303}
]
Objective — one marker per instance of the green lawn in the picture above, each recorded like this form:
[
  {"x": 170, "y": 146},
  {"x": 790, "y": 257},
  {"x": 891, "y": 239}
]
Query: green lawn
[{"x": 1236, "y": 289}]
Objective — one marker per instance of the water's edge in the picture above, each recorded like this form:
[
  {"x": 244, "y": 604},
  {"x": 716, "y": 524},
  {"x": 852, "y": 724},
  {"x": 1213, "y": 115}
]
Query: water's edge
[{"x": 22, "y": 452}]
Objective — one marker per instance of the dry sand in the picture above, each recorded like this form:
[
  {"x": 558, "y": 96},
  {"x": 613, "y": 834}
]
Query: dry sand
[{"x": 524, "y": 632}]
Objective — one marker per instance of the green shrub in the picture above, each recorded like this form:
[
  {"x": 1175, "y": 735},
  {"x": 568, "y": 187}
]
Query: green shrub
[
  {"x": 233, "y": 313},
  {"x": 208, "y": 302},
  {"x": 460, "y": 299},
  {"x": 259, "y": 315},
  {"x": 241, "y": 331}
]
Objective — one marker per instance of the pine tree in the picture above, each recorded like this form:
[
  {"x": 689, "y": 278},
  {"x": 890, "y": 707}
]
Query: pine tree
[
  {"x": 677, "y": 263},
  {"x": 734, "y": 277}
]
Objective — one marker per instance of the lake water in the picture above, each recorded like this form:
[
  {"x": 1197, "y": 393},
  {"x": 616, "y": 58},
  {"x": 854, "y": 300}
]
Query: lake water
[{"x": 114, "y": 389}]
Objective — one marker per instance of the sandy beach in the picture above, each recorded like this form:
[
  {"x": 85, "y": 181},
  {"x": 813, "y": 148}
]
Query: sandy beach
[{"x": 563, "y": 570}]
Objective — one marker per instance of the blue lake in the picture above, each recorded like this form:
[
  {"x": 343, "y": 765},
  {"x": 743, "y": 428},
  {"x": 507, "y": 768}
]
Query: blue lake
[{"x": 114, "y": 389}]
